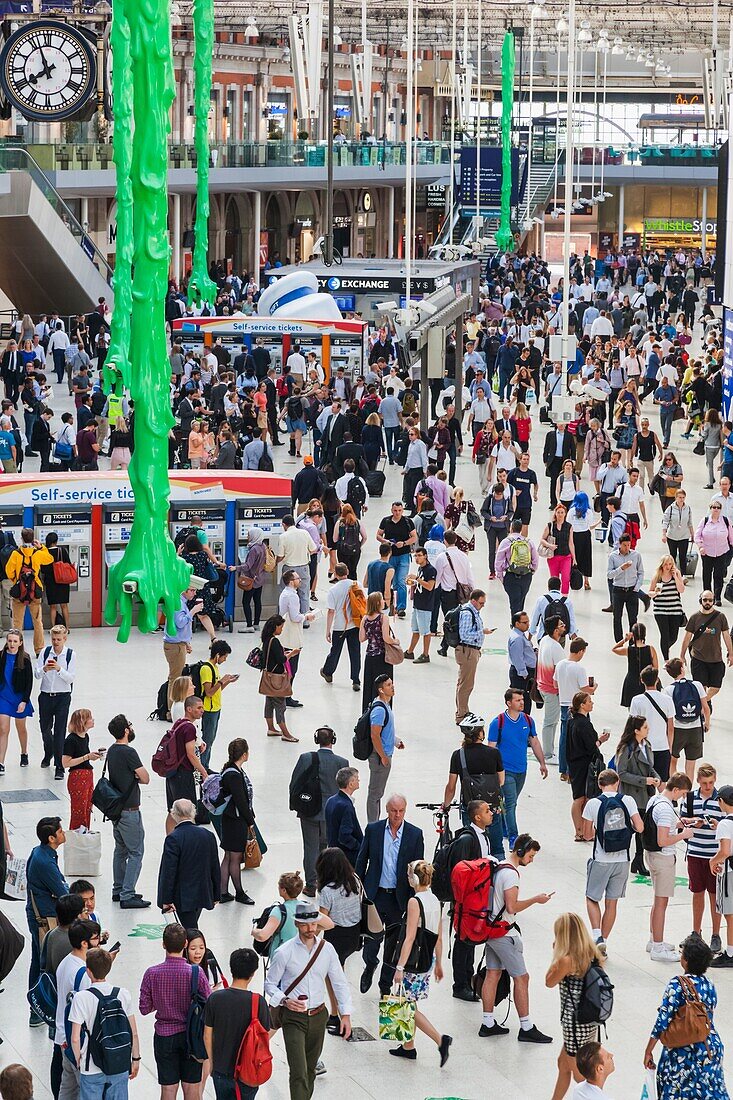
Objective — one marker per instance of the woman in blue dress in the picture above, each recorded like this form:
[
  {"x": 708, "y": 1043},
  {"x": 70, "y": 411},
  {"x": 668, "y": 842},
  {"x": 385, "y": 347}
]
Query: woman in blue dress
[
  {"x": 16, "y": 683},
  {"x": 696, "y": 1070}
]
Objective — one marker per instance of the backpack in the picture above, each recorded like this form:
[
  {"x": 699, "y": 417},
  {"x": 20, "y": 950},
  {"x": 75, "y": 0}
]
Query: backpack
[
  {"x": 557, "y": 606},
  {"x": 306, "y": 798},
  {"x": 167, "y": 758},
  {"x": 270, "y": 562},
  {"x": 295, "y": 408},
  {"x": 687, "y": 701},
  {"x": 361, "y": 744},
  {"x": 408, "y": 403},
  {"x": 595, "y": 1004},
  {"x": 451, "y": 635},
  {"x": 211, "y": 795},
  {"x": 43, "y": 996},
  {"x": 282, "y": 387},
  {"x": 194, "y": 671},
  {"x": 253, "y": 1065},
  {"x": 613, "y": 825},
  {"x": 266, "y": 465},
  {"x": 263, "y": 947},
  {"x": 441, "y": 880},
  {"x": 183, "y": 534},
  {"x": 195, "y": 1020},
  {"x": 99, "y": 400},
  {"x": 110, "y": 1040},
  {"x": 26, "y": 589},
  {"x": 472, "y": 883},
  {"x": 160, "y": 711},
  {"x": 357, "y": 603},
  {"x": 67, "y": 1023},
  {"x": 356, "y": 494},
  {"x": 520, "y": 557},
  {"x": 350, "y": 538},
  {"x": 483, "y": 786},
  {"x": 6, "y": 549}
]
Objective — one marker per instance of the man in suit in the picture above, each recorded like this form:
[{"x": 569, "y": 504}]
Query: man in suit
[
  {"x": 332, "y": 425},
  {"x": 506, "y": 423},
  {"x": 261, "y": 356},
  {"x": 388, "y": 847},
  {"x": 12, "y": 370},
  {"x": 354, "y": 451},
  {"x": 313, "y": 825},
  {"x": 242, "y": 360},
  {"x": 189, "y": 878},
  {"x": 559, "y": 445},
  {"x": 342, "y": 825}
]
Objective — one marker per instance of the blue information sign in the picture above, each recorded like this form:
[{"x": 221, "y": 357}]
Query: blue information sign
[
  {"x": 727, "y": 362},
  {"x": 490, "y": 177}
]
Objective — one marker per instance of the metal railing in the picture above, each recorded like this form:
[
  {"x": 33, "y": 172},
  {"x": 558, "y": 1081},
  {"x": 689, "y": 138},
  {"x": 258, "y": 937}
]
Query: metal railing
[{"x": 17, "y": 158}]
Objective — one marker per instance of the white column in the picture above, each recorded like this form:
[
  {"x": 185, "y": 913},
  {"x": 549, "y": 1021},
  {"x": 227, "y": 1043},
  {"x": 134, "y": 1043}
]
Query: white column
[
  {"x": 704, "y": 242},
  {"x": 176, "y": 234},
  {"x": 84, "y": 213},
  {"x": 256, "y": 234},
  {"x": 569, "y": 153},
  {"x": 390, "y": 222},
  {"x": 621, "y": 213}
]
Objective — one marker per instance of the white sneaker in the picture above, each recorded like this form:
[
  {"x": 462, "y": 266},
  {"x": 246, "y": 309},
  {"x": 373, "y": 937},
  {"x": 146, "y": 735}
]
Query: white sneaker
[
  {"x": 664, "y": 954},
  {"x": 650, "y": 945}
]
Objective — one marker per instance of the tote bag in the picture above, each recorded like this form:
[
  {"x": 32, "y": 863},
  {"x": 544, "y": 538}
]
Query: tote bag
[
  {"x": 276, "y": 685},
  {"x": 82, "y": 854}
]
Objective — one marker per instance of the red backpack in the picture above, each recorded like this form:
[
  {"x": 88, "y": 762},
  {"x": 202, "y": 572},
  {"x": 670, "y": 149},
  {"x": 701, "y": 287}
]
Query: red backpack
[
  {"x": 471, "y": 882},
  {"x": 254, "y": 1061},
  {"x": 167, "y": 757}
]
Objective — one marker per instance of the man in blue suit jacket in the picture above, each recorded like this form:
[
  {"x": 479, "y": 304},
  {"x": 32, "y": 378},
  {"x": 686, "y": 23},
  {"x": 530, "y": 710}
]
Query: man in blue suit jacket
[
  {"x": 189, "y": 877},
  {"x": 387, "y": 849},
  {"x": 342, "y": 825}
]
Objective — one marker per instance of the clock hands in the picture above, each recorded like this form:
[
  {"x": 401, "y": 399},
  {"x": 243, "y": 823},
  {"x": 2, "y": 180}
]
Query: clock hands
[{"x": 45, "y": 71}]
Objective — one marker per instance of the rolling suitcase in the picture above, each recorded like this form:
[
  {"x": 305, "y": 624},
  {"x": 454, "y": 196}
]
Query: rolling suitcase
[
  {"x": 693, "y": 557},
  {"x": 375, "y": 480}
]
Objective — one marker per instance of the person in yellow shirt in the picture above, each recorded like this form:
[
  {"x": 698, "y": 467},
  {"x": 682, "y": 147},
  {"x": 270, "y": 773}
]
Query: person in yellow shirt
[
  {"x": 212, "y": 685},
  {"x": 26, "y": 589}
]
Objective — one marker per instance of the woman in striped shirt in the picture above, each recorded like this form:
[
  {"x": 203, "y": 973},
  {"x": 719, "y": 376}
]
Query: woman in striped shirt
[{"x": 666, "y": 592}]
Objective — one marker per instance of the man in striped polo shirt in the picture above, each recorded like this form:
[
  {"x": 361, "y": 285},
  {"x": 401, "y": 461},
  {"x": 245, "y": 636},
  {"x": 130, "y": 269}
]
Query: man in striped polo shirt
[{"x": 702, "y": 806}]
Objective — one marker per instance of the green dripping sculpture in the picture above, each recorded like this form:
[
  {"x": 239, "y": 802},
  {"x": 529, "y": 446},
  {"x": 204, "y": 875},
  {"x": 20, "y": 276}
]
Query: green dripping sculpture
[
  {"x": 150, "y": 570},
  {"x": 200, "y": 286},
  {"x": 504, "y": 237}
]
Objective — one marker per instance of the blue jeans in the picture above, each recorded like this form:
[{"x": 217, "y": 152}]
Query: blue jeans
[
  {"x": 513, "y": 783},
  {"x": 225, "y": 1088},
  {"x": 129, "y": 836},
  {"x": 401, "y": 565},
  {"x": 98, "y": 1086},
  {"x": 666, "y": 419},
  {"x": 562, "y": 760},
  {"x": 390, "y": 438},
  {"x": 209, "y": 726}
]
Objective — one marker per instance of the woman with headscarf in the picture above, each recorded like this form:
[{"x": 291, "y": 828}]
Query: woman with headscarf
[{"x": 253, "y": 569}]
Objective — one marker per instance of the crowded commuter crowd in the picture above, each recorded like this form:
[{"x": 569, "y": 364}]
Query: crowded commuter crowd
[{"x": 404, "y": 547}]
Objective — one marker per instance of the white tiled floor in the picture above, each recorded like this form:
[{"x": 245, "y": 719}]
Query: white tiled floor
[{"x": 114, "y": 678}]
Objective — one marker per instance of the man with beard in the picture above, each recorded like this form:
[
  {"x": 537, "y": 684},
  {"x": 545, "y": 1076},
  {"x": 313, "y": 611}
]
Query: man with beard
[{"x": 126, "y": 772}]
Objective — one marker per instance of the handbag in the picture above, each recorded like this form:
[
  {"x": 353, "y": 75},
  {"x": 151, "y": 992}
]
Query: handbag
[
  {"x": 82, "y": 854},
  {"x": 545, "y": 550},
  {"x": 597, "y": 502},
  {"x": 212, "y": 573},
  {"x": 245, "y": 583},
  {"x": 393, "y": 652},
  {"x": 691, "y": 1023},
  {"x": 276, "y": 685},
  {"x": 64, "y": 572},
  {"x": 595, "y": 768},
  {"x": 474, "y": 519},
  {"x": 464, "y": 530},
  {"x": 433, "y": 453},
  {"x": 671, "y": 487},
  {"x": 108, "y": 799},
  {"x": 576, "y": 578},
  {"x": 252, "y": 851},
  {"x": 699, "y": 448},
  {"x": 420, "y": 959},
  {"x": 276, "y": 1011},
  {"x": 463, "y": 591},
  {"x": 254, "y": 658},
  {"x": 371, "y": 925},
  {"x": 396, "y": 1018}
]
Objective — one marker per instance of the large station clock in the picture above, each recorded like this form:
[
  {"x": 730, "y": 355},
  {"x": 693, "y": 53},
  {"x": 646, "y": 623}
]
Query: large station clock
[{"x": 48, "y": 70}]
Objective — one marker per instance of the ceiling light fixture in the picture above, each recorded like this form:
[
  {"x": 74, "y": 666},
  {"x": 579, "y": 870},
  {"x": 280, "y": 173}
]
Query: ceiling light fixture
[
  {"x": 562, "y": 25},
  {"x": 251, "y": 30},
  {"x": 584, "y": 35}
]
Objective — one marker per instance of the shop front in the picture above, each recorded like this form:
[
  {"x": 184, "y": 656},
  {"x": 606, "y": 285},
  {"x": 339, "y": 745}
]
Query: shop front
[
  {"x": 671, "y": 234},
  {"x": 304, "y": 226}
]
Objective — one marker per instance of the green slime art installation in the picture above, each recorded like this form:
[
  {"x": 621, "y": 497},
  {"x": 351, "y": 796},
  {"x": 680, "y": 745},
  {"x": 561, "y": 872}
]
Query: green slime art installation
[
  {"x": 504, "y": 237},
  {"x": 144, "y": 90},
  {"x": 200, "y": 286}
]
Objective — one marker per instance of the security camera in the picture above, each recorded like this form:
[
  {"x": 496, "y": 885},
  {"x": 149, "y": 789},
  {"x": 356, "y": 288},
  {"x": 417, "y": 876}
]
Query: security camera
[
  {"x": 385, "y": 307},
  {"x": 129, "y": 587}
]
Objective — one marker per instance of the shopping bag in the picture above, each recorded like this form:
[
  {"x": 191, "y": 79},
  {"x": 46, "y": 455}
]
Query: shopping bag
[
  {"x": 82, "y": 854},
  {"x": 396, "y": 1019},
  {"x": 649, "y": 1087},
  {"x": 15, "y": 881},
  {"x": 252, "y": 852}
]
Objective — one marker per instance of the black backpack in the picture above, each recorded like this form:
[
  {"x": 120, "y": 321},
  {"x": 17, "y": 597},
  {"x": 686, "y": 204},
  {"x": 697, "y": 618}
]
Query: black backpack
[
  {"x": 263, "y": 947},
  {"x": 356, "y": 494},
  {"x": 595, "y": 1003},
  {"x": 305, "y": 794},
  {"x": 442, "y": 866},
  {"x": 295, "y": 408},
  {"x": 195, "y": 1020},
  {"x": 483, "y": 786},
  {"x": 183, "y": 534},
  {"x": 451, "y": 634},
  {"x": 349, "y": 536},
  {"x": 194, "y": 671},
  {"x": 110, "y": 1040},
  {"x": 557, "y": 606},
  {"x": 361, "y": 744},
  {"x": 6, "y": 549},
  {"x": 160, "y": 711},
  {"x": 266, "y": 465}
]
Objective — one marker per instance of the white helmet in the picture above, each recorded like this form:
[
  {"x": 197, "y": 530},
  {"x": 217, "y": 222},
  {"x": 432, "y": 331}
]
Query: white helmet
[{"x": 472, "y": 721}]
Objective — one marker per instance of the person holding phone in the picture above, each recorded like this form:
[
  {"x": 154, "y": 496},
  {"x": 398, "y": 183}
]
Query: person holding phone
[
  {"x": 178, "y": 636},
  {"x": 78, "y": 757},
  {"x": 55, "y": 667}
]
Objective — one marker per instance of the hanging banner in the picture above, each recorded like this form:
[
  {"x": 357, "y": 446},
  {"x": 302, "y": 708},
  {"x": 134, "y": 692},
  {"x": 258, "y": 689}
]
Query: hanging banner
[{"x": 727, "y": 362}]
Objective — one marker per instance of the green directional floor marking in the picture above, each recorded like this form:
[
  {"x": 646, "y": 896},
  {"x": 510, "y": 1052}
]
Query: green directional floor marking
[
  {"x": 644, "y": 880},
  {"x": 147, "y": 932}
]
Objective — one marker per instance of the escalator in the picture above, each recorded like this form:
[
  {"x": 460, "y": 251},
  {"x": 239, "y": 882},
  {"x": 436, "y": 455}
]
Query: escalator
[{"x": 47, "y": 261}]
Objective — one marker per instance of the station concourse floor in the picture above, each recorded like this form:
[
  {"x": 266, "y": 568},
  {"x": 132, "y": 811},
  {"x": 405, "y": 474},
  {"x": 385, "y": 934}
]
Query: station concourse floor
[{"x": 114, "y": 678}]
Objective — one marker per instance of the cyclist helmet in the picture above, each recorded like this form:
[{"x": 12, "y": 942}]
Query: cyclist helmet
[{"x": 472, "y": 721}]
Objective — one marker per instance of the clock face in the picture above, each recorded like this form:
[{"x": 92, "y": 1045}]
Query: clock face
[{"x": 48, "y": 70}]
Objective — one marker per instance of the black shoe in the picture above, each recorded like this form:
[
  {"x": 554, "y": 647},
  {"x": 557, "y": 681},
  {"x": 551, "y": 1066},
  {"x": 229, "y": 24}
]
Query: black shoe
[
  {"x": 355, "y": 685},
  {"x": 244, "y": 898},
  {"x": 400, "y": 1052},
  {"x": 533, "y": 1035},
  {"x": 722, "y": 961},
  {"x": 24, "y": 760},
  {"x": 292, "y": 703},
  {"x": 59, "y": 773},
  {"x": 225, "y": 897},
  {"x": 46, "y": 762},
  {"x": 495, "y": 1029},
  {"x": 327, "y": 678},
  {"x": 135, "y": 903},
  {"x": 116, "y": 897},
  {"x": 465, "y": 994},
  {"x": 366, "y": 979},
  {"x": 401, "y": 614},
  {"x": 640, "y": 869},
  {"x": 34, "y": 454},
  {"x": 444, "y": 1048},
  {"x": 608, "y": 609},
  {"x": 442, "y": 652}
]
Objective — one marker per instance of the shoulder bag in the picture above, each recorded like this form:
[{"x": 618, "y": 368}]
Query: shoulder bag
[
  {"x": 420, "y": 959},
  {"x": 108, "y": 799},
  {"x": 463, "y": 591},
  {"x": 64, "y": 571},
  {"x": 276, "y": 1011},
  {"x": 393, "y": 652},
  {"x": 275, "y": 685},
  {"x": 691, "y": 1023}
]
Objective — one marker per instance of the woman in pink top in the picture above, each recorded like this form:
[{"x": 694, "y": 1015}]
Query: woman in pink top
[
  {"x": 196, "y": 446},
  {"x": 714, "y": 536},
  {"x": 260, "y": 402}
]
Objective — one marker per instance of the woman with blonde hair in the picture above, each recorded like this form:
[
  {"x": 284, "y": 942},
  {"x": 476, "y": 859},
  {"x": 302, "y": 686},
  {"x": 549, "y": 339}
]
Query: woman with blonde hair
[
  {"x": 424, "y": 916},
  {"x": 573, "y": 953},
  {"x": 120, "y": 440},
  {"x": 349, "y": 535},
  {"x": 666, "y": 591},
  {"x": 458, "y": 518},
  {"x": 195, "y": 445},
  {"x": 181, "y": 690},
  {"x": 523, "y": 420},
  {"x": 77, "y": 757},
  {"x": 711, "y": 431},
  {"x": 372, "y": 440}
]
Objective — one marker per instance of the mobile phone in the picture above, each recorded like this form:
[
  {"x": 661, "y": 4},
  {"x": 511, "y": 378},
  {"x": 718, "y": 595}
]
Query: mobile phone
[
  {"x": 114, "y": 948},
  {"x": 591, "y": 681}
]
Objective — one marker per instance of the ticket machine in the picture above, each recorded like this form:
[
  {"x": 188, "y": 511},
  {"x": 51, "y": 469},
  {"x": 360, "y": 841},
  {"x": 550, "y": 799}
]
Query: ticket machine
[
  {"x": 213, "y": 514},
  {"x": 12, "y": 524},
  {"x": 73, "y": 525},
  {"x": 116, "y": 529},
  {"x": 267, "y": 515}
]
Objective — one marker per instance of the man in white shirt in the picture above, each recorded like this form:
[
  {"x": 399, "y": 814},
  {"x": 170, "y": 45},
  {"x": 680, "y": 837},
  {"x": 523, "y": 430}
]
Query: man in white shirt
[
  {"x": 595, "y": 1064},
  {"x": 615, "y": 818},
  {"x": 304, "y": 1012},
  {"x": 661, "y": 833},
  {"x": 340, "y": 628},
  {"x": 602, "y": 326},
  {"x": 725, "y": 498},
  {"x": 571, "y": 676},
  {"x": 294, "y": 551},
  {"x": 297, "y": 365},
  {"x": 453, "y": 567},
  {"x": 658, "y": 709},
  {"x": 55, "y": 667},
  {"x": 82, "y": 1015},
  {"x": 71, "y": 976},
  {"x": 632, "y": 498}
]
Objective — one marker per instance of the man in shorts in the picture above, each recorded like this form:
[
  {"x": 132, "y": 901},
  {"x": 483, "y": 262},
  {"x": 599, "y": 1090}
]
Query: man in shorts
[
  {"x": 524, "y": 483},
  {"x": 701, "y": 810},
  {"x": 422, "y": 587},
  {"x": 661, "y": 833},
  {"x": 720, "y": 865},
  {"x": 689, "y": 732},
  {"x": 507, "y": 952},
  {"x": 608, "y": 872},
  {"x": 703, "y": 635}
]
